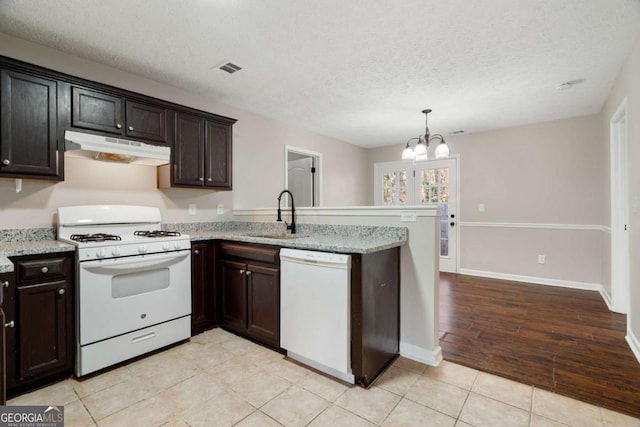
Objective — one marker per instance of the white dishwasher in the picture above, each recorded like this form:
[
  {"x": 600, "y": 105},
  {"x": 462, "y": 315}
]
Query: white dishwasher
[{"x": 315, "y": 310}]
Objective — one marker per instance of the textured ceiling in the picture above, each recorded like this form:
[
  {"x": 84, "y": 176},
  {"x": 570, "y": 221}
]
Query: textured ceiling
[{"x": 357, "y": 70}]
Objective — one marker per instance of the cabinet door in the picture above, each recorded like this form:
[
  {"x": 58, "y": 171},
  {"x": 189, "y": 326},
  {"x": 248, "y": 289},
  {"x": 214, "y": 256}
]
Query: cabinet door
[
  {"x": 263, "y": 316},
  {"x": 9, "y": 308},
  {"x": 202, "y": 287},
  {"x": 96, "y": 111},
  {"x": 28, "y": 141},
  {"x": 234, "y": 295},
  {"x": 218, "y": 155},
  {"x": 189, "y": 151},
  {"x": 43, "y": 328},
  {"x": 5, "y": 282},
  {"x": 146, "y": 122}
]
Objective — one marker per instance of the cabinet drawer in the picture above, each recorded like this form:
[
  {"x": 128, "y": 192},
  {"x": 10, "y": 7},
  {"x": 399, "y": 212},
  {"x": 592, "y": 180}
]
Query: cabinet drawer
[
  {"x": 251, "y": 252},
  {"x": 40, "y": 270}
]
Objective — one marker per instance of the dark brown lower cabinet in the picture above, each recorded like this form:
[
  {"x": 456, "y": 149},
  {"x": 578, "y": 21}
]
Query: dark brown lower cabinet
[
  {"x": 375, "y": 313},
  {"x": 250, "y": 279},
  {"x": 204, "y": 301},
  {"x": 5, "y": 281},
  {"x": 39, "y": 320}
]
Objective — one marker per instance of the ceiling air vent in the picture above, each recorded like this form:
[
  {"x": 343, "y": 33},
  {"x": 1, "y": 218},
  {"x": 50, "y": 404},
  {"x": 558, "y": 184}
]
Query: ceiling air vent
[{"x": 229, "y": 67}]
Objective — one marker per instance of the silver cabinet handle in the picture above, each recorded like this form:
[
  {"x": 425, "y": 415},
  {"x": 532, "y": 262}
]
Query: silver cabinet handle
[
  {"x": 44, "y": 269},
  {"x": 248, "y": 272},
  {"x": 201, "y": 179},
  {"x": 130, "y": 127},
  {"x": 119, "y": 126},
  {"x": 241, "y": 271},
  {"x": 5, "y": 284},
  {"x": 61, "y": 291},
  {"x": 209, "y": 179},
  {"x": 6, "y": 162},
  {"x": 196, "y": 251},
  {"x": 10, "y": 324}
]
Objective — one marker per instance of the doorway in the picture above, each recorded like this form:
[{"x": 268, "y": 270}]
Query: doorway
[
  {"x": 619, "y": 210},
  {"x": 302, "y": 176},
  {"x": 424, "y": 182}
]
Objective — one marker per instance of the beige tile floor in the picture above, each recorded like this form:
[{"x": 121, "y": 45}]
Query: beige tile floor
[{"x": 218, "y": 379}]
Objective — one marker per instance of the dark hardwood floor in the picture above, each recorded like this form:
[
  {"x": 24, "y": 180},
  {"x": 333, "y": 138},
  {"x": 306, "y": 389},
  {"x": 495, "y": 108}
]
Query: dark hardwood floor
[{"x": 558, "y": 339}]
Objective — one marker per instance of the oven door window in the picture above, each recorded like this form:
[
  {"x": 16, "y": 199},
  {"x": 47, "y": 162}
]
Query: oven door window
[{"x": 129, "y": 284}]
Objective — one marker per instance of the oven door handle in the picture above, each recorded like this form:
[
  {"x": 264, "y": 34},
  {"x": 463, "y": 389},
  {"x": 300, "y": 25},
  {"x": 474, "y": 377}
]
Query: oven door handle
[{"x": 136, "y": 262}]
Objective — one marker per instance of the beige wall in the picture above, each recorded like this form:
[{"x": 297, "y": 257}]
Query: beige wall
[
  {"x": 548, "y": 179},
  {"x": 258, "y": 162},
  {"x": 628, "y": 85}
]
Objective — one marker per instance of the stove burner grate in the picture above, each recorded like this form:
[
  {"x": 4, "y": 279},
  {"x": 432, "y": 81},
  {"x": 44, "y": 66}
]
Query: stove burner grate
[
  {"x": 98, "y": 237},
  {"x": 156, "y": 233}
]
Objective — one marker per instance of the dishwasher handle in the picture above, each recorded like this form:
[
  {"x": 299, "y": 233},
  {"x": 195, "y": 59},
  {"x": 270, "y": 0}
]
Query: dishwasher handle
[{"x": 324, "y": 259}]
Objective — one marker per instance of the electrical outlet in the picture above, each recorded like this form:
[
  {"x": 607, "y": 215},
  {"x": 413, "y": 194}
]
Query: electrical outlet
[
  {"x": 541, "y": 259},
  {"x": 408, "y": 217},
  {"x": 220, "y": 210},
  {"x": 481, "y": 207},
  {"x": 192, "y": 208}
]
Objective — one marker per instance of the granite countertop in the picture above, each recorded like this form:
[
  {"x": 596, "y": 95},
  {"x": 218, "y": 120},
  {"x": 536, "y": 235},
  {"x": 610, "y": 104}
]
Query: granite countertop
[
  {"x": 322, "y": 237},
  {"x": 327, "y": 243},
  {"x": 8, "y": 249}
]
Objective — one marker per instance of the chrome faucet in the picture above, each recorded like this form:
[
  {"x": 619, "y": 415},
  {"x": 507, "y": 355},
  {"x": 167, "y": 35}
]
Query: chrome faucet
[{"x": 291, "y": 226}]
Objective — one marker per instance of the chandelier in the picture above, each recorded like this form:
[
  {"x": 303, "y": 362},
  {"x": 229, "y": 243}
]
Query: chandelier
[{"x": 420, "y": 151}]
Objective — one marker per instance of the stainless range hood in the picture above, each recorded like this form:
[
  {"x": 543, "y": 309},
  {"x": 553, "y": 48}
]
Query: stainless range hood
[{"x": 78, "y": 144}]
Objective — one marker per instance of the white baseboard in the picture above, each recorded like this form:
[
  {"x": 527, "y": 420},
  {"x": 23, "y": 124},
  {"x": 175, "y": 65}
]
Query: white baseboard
[
  {"x": 536, "y": 280},
  {"x": 634, "y": 343},
  {"x": 585, "y": 286},
  {"x": 422, "y": 355},
  {"x": 606, "y": 297}
]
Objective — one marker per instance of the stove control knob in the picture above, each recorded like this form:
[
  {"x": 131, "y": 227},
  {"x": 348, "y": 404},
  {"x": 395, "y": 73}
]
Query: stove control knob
[
  {"x": 115, "y": 251},
  {"x": 142, "y": 249},
  {"x": 101, "y": 253},
  {"x": 176, "y": 245},
  {"x": 166, "y": 246}
]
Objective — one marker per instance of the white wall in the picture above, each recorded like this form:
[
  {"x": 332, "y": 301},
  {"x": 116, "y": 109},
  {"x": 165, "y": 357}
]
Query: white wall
[
  {"x": 543, "y": 187},
  {"x": 258, "y": 157},
  {"x": 628, "y": 85}
]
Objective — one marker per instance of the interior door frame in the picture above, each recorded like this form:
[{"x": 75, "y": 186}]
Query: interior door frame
[
  {"x": 318, "y": 165},
  {"x": 456, "y": 159},
  {"x": 619, "y": 209},
  {"x": 409, "y": 165}
]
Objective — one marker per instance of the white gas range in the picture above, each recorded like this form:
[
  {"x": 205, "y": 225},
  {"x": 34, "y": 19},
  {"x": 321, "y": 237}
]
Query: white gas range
[{"x": 133, "y": 280}]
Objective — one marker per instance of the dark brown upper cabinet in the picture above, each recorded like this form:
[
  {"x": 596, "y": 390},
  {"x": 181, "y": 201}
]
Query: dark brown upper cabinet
[
  {"x": 29, "y": 136},
  {"x": 106, "y": 113},
  {"x": 146, "y": 121},
  {"x": 201, "y": 155}
]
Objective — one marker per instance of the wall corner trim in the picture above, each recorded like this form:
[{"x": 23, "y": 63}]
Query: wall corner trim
[
  {"x": 420, "y": 354},
  {"x": 634, "y": 343}
]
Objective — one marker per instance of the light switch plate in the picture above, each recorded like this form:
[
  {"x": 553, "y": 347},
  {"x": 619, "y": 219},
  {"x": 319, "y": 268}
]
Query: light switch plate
[
  {"x": 407, "y": 216},
  {"x": 220, "y": 210},
  {"x": 192, "y": 208},
  {"x": 481, "y": 207}
]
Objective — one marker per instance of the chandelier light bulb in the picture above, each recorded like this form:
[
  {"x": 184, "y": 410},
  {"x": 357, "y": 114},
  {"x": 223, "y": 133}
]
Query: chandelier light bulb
[{"x": 442, "y": 150}]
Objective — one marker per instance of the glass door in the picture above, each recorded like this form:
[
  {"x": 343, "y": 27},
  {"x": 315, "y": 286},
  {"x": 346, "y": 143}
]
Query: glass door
[{"x": 435, "y": 183}]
